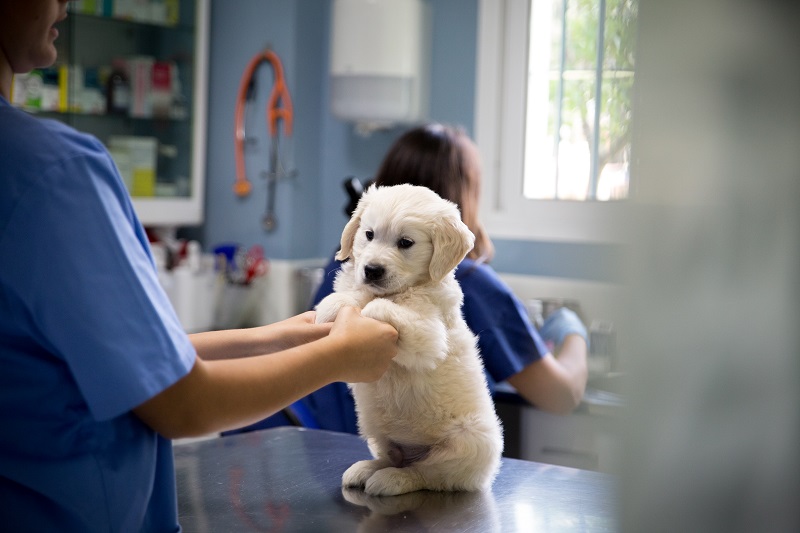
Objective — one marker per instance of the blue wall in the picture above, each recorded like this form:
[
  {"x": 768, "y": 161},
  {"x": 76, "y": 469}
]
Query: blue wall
[{"x": 324, "y": 150}]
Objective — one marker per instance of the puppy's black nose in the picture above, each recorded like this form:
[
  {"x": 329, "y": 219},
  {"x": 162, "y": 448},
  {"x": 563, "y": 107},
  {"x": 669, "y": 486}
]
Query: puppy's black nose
[{"x": 374, "y": 272}]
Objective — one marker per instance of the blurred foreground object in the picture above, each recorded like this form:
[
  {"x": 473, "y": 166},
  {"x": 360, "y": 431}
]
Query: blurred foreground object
[{"x": 712, "y": 441}]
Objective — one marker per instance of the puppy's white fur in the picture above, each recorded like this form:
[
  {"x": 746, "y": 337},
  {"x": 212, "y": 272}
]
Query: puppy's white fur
[{"x": 429, "y": 421}]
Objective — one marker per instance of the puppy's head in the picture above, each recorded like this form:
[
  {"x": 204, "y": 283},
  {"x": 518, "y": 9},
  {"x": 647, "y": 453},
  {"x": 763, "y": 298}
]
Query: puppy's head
[{"x": 402, "y": 236}]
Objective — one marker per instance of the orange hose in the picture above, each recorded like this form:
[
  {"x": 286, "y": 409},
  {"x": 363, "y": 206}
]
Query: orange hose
[{"x": 279, "y": 108}]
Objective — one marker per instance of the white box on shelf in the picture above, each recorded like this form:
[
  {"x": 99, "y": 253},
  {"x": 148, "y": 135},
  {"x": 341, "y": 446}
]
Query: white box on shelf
[{"x": 143, "y": 156}]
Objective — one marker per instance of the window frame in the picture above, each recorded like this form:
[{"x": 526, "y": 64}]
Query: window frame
[{"x": 500, "y": 135}]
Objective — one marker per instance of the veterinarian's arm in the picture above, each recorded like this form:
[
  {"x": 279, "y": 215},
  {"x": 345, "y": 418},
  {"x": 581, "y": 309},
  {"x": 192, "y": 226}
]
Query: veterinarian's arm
[
  {"x": 555, "y": 383},
  {"x": 231, "y": 393},
  {"x": 234, "y": 343}
]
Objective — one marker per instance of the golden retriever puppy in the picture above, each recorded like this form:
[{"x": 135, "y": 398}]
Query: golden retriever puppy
[{"x": 429, "y": 421}]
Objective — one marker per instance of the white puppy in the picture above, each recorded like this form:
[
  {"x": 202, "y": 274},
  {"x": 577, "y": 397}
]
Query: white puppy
[{"x": 429, "y": 421}]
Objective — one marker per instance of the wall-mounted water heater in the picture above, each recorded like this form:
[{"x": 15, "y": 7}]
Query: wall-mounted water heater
[{"x": 380, "y": 61}]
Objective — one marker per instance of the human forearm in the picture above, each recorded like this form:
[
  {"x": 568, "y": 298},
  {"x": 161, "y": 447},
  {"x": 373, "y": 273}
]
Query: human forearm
[
  {"x": 224, "y": 394},
  {"x": 572, "y": 355},
  {"x": 229, "y": 344},
  {"x": 555, "y": 383},
  {"x": 236, "y": 343}
]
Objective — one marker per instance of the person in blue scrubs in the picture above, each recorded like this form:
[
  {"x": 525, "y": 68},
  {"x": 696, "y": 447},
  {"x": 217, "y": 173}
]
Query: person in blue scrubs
[
  {"x": 548, "y": 367},
  {"x": 96, "y": 373}
]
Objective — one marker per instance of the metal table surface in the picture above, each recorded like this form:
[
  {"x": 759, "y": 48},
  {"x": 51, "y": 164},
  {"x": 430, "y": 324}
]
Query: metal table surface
[{"x": 289, "y": 479}]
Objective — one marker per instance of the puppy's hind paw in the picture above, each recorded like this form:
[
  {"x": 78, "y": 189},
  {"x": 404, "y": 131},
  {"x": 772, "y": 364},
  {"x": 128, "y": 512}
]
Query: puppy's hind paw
[
  {"x": 358, "y": 474},
  {"x": 393, "y": 481}
]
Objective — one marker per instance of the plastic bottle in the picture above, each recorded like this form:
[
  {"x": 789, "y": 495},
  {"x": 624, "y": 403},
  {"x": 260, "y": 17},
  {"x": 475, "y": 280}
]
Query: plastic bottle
[{"x": 118, "y": 91}]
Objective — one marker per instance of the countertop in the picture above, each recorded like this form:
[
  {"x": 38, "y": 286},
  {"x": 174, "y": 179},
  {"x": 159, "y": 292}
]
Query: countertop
[
  {"x": 289, "y": 479},
  {"x": 602, "y": 396}
]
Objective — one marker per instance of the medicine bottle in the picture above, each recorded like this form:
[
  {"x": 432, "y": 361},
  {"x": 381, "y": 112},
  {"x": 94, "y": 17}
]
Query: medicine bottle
[{"x": 118, "y": 91}]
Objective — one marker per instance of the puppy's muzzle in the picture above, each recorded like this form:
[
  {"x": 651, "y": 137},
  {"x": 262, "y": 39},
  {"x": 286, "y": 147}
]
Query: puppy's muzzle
[{"x": 374, "y": 273}]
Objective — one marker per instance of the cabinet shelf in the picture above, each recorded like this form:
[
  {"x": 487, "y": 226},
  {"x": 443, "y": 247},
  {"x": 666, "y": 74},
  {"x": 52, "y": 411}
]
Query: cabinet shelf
[
  {"x": 109, "y": 116},
  {"x": 171, "y": 124},
  {"x": 187, "y": 26}
]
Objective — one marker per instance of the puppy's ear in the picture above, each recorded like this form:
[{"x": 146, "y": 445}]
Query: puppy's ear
[
  {"x": 452, "y": 240},
  {"x": 351, "y": 228}
]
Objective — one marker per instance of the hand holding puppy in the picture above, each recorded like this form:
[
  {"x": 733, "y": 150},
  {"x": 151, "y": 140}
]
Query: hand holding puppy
[{"x": 372, "y": 345}]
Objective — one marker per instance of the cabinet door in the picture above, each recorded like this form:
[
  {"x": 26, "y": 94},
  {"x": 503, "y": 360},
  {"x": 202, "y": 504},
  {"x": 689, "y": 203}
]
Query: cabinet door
[
  {"x": 578, "y": 440},
  {"x": 134, "y": 74}
]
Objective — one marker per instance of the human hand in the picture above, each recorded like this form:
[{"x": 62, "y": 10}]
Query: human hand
[
  {"x": 559, "y": 324},
  {"x": 367, "y": 346}
]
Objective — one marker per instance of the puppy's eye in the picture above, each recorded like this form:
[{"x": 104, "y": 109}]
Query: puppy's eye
[
  {"x": 370, "y": 234},
  {"x": 405, "y": 243}
]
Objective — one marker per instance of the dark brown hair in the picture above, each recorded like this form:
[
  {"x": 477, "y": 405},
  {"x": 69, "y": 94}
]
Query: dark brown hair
[{"x": 436, "y": 156}]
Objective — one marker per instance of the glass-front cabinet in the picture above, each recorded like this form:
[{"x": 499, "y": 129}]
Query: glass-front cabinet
[{"x": 134, "y": 74}]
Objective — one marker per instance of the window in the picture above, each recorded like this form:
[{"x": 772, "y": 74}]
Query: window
[
  {"x": 542, "y": 66},
  {"x": 580, "y": 52}
]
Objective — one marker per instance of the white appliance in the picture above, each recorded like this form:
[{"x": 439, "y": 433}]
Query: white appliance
[{"x": 380, "y": 61}]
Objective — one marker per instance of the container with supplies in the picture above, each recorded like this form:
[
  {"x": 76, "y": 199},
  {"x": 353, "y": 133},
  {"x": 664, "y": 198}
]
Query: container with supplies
[{"x": 242, "y": 273}]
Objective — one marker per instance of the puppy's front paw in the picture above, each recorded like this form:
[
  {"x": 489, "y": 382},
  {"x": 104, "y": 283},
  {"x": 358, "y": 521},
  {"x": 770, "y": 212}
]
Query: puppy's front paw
[
  {"x": 393, "y": 481},
  {"x": 358, "y": 474},
  {"x": 330, "y": 306},
  {"x": 380, "y": 309},
  {"x": 326, "y": 311}
]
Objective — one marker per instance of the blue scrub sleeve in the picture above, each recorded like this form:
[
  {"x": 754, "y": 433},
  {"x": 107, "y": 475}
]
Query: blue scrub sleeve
[
  {"x": 507, "y": 340},
  {"x": 90, "y": 285}
]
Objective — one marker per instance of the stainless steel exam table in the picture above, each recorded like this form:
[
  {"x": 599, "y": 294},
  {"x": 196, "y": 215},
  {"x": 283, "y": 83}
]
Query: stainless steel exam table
[{"x": 288, "y": 479}]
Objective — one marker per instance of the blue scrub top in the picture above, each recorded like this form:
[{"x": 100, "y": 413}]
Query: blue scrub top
[
  {"x": 507, "y": 341},
  {"x": 86, "y": 334}
]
